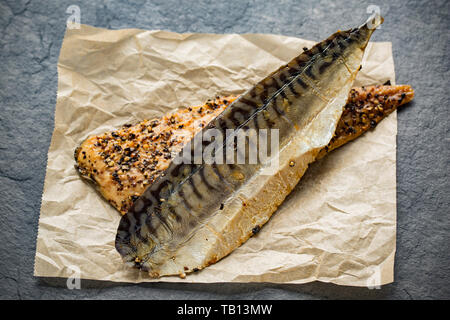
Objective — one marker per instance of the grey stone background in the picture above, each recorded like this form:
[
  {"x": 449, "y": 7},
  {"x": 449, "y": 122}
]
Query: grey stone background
[{"x": 30, "y": 40}]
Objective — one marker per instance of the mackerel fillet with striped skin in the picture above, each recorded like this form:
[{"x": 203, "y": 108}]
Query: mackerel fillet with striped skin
[{"x": 195, "y": 214}]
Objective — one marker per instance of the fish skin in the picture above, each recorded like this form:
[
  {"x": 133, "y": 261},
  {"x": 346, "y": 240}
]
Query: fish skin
[{"x": 177, "y": 226}]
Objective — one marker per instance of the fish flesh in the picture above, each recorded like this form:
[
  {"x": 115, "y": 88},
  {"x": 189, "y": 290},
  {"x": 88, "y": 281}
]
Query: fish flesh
[
  {"x": 197, "y": 213},
  {"x": 123, "y": 162}
]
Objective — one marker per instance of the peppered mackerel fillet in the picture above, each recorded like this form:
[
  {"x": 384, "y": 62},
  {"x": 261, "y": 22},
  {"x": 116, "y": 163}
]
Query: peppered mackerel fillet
[
  {"x": 122, "y": 163},
  {"x": 194, "y": 214}
]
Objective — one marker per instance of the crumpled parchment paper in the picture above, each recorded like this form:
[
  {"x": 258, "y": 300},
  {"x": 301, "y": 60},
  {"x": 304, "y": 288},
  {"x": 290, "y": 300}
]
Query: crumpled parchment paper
[{"x": 339, "y": 223}]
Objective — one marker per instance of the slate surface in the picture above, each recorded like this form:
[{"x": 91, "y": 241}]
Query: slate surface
[{"x": 30, "y": 40}]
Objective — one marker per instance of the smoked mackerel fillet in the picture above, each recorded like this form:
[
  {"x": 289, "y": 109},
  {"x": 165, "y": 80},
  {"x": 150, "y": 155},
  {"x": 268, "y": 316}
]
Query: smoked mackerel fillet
[{"x": 197, "y": 212}]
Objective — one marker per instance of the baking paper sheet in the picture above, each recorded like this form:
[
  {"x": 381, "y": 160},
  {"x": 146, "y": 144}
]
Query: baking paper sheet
[{"x": 339, "y": 223}]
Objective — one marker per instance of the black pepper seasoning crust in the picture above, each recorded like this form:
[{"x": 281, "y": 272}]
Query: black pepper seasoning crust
[
  {"x": 365, "y": 108},
  {"x": 133, "y": 156}
]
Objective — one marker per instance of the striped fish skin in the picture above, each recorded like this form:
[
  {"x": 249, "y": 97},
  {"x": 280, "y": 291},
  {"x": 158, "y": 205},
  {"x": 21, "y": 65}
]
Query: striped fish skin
[{"x": 195, "y": 214}]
